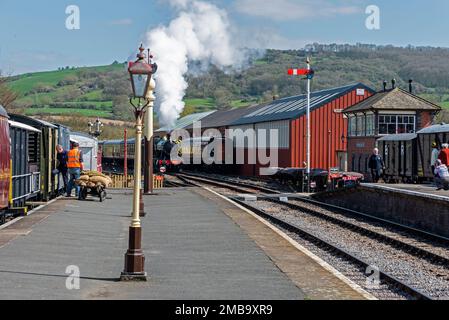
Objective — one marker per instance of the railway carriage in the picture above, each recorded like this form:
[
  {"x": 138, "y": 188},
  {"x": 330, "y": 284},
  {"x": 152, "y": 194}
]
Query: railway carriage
[
  {"x": 47, "y": 155},
  {"x": 399, "y": 152},
  {"x": 437, "y": 133},
  {"x": 25, "y": 168},
  {"x": 5, "y": 162},
  {"x": 407, "y": 156}
]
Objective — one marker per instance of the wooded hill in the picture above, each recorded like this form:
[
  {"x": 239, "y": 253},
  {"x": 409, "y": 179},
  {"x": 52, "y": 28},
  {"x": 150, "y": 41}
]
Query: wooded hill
[{"x": 102, "y": 91}]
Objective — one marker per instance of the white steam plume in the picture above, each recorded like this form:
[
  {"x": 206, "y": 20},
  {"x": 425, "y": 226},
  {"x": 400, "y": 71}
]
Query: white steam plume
[{"x": 200, "y": 32}]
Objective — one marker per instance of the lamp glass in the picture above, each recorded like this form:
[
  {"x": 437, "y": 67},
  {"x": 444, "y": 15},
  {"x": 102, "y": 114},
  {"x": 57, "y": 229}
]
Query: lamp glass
[{"x": 140, "y": 84}]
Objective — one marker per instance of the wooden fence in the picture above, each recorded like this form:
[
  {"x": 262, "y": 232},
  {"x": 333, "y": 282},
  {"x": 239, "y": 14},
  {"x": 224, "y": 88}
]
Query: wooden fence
[{"x": 120, "y": 181}]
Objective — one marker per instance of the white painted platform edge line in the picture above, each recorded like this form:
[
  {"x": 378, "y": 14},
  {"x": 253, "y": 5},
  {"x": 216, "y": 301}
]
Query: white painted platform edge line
[
  {"x": 10, "y": 223},
  {"x": 308, "y": 253}
]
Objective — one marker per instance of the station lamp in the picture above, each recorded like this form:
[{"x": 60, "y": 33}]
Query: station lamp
[{"x": 140, "y": 73}]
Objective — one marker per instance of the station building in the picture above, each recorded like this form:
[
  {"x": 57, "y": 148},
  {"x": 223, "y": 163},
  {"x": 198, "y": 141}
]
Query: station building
[
  {"x": 392, "y": 111},
  {"x": 288, "y": 115}
]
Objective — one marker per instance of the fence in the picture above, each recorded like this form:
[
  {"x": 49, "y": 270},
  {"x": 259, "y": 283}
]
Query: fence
[{"x": 120, "y": 181}]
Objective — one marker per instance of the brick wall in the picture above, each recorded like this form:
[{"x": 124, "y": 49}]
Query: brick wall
[{"x": 359, "y": 151}]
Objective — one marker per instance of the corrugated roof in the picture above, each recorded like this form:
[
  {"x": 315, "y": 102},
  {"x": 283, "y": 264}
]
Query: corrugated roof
[
  {"x": 435, "y": 129},
  {"x": 396, "y": 99},
  {"x": 3, "y": 112},
  {"x": 185, "y": 121},
  {"x": 223, "y": 118},
  {"x": 294, "y": 107},
  {"x": 399, "y": 137}
]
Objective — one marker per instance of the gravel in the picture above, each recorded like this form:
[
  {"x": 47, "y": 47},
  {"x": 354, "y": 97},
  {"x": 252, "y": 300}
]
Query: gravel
[{"x": 429, "y": 278}]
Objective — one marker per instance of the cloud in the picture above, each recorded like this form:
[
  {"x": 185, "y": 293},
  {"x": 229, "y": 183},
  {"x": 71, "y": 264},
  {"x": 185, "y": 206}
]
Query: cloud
[
  {"x": 283, "y": 10},
  {"x": 122, "y": 22}
]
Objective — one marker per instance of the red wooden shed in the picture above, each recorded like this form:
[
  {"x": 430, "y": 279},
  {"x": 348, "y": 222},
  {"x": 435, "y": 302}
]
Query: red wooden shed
[{"x": 288, "y": 115}]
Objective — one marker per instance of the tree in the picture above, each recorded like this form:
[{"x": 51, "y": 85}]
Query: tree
[
  {"x": 7, "y": 96},
  {"x": 222, "y": 98}
]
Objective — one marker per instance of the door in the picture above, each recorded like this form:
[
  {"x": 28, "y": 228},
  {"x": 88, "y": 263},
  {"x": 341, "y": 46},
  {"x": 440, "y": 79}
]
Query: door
[{"x": 342, "y": 157}]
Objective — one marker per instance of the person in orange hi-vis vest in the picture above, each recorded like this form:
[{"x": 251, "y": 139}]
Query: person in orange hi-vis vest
[{"x": 75, "y": 166}]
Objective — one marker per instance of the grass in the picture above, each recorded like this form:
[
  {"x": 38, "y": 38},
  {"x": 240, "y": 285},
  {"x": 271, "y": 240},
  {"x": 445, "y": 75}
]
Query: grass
[
  {"x": 200, "y": 102},
  {"x": 241, "y": 104},
  {"x": 68, "y": 111},
  {"x": 26, "y": 82}
]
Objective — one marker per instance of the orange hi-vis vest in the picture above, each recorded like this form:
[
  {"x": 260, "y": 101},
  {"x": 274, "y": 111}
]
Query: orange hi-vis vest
[{"x": 73, "y": 159}]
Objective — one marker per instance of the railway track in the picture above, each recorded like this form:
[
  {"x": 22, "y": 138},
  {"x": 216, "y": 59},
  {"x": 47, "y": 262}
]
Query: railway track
[{"x": 397, "y": 240}]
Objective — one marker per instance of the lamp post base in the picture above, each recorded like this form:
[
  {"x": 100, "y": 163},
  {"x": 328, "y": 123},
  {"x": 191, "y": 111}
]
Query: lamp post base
[
  {"x": 134, "y": 258},
  {"x": 142, "y": 277}
]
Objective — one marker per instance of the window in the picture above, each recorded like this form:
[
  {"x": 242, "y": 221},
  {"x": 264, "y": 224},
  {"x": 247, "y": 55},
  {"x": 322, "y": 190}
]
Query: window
[
  {"x": 352, "y": 126},
  {"x": 392, "y": 124},
  {"x": 370, "y": 125},
  {"x": 360, "y": 125}
]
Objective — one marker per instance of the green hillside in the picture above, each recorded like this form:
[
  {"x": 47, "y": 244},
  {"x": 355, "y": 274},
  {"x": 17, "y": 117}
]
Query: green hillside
[{"x": 102, "y": 91}]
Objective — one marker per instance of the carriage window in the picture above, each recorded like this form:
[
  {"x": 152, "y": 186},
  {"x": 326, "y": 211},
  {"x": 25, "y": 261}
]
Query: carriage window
[{"x": 393, "y": 124}]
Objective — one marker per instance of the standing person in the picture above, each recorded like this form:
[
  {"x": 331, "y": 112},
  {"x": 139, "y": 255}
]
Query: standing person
[
  {"x": 62, "y": 158},
  {"x": 441, "y": 176},
  {"x": 444, "y": 154},
  {"x": 435, "y": 155},
  {"x": 376, "y": 164},
  {"x": 75, "y": 166},
  {"x": 168, "y": 145}
]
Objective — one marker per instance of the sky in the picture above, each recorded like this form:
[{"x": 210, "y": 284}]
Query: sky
[{"x": 34, "y": 36}]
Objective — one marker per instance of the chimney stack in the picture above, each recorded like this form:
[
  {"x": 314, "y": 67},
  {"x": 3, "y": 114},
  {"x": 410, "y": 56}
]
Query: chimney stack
[
  {"x": 385, "y": 85},
  {"x": 410, "y": 85},
  {"x": 393, "y": 84}
]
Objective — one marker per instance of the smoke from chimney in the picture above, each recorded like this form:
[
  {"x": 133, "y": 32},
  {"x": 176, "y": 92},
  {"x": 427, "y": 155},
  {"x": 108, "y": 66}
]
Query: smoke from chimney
[{"x": 200, "y": 32}]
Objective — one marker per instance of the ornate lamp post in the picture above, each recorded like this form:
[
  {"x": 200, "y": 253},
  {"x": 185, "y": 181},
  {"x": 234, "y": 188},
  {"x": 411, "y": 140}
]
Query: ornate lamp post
[{"x": 140, "y": 74}]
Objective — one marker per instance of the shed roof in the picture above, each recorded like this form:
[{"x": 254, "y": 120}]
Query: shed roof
[
  {"x": 296, "y": 106},
  {"x": 32, "y": 121},
  {"x": 396, "y": 99},
  {"x": 222, "y": 118},
  {"x": 399, "y": 137},
  {"x": 185, "y": 121},
  {"x": 3, "y": 112},
  {"x": 435, "y": 129},
  {"x": 84, "y": 139}
]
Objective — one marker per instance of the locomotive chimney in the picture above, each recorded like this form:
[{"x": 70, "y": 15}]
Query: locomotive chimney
[
  {"x": 385, "y": 85},
  {"x": 393, "y": 84},
  {"x": 410, "y": 85}
]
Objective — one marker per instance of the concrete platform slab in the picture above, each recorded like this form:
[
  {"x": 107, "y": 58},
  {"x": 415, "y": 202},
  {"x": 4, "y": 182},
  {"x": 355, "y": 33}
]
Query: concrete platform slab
[{"x": 193, "y": 251}]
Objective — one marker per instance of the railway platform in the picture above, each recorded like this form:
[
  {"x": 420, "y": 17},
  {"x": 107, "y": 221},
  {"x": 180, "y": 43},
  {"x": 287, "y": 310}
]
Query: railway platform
[
  {"x": 417, "y": 206},
  {"x": 197, "y": 246}
]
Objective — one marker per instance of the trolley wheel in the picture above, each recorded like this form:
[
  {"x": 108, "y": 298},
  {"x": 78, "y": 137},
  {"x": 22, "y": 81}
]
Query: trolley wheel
[
  {"x": 102, "y": 196},
  {"x": 83, "y": 194}
]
